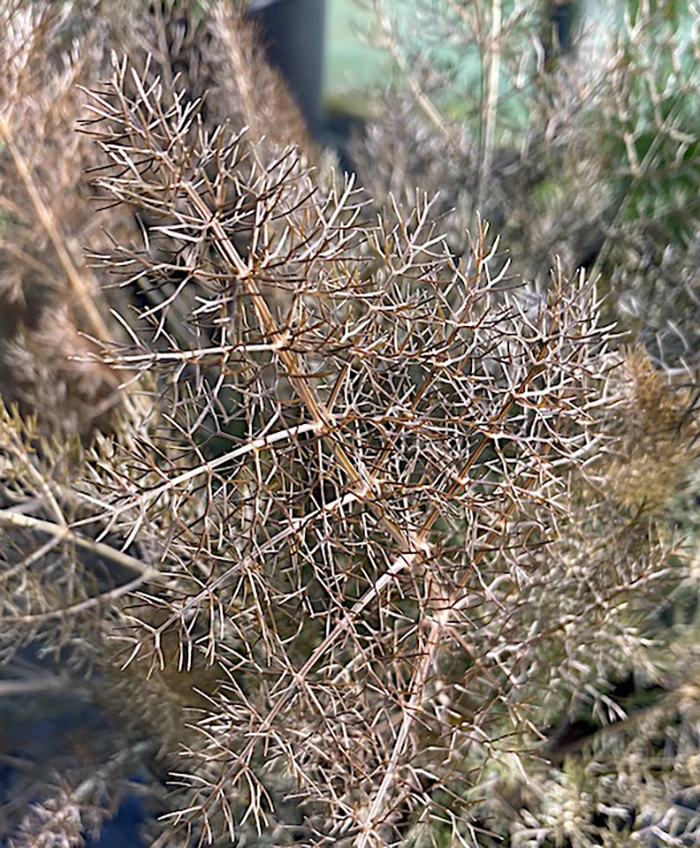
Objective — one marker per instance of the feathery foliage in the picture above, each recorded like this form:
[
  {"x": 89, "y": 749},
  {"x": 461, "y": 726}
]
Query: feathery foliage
[{"x": 367, "y": 519}]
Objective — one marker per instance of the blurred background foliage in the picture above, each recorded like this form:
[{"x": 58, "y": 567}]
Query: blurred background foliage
[{"x": 578, "y": 144}]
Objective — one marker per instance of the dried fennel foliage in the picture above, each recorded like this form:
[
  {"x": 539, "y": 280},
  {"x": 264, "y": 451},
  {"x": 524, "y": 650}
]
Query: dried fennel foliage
[
  {"x": 46, "y": 219},
  {"x": 244, "y": 77},
  {"x": 74, "y": 804},
  {"x": 53, "y": 366},
  {"x": 51, "y": 53},
  {"x": 213, "y": 53},
  {"x": 637, "y": 784},
  {"x": 355, "y": 559},
  {"x": 592, "y": 158},
  {"x": 657, "y": 436}
]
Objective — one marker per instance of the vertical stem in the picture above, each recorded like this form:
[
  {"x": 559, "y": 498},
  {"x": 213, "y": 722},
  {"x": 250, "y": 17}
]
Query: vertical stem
[
  {"x": 76, "y": 284},
  {"x": 490, "y": 98}
]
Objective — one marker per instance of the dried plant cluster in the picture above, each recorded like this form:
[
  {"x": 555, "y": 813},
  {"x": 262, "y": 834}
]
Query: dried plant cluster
[
  {"x": 49, "y": 294},
  {"x": 591, "y": 157},
  {"x": 46, "y": 289},
  {"x": 369, "y": 524}
]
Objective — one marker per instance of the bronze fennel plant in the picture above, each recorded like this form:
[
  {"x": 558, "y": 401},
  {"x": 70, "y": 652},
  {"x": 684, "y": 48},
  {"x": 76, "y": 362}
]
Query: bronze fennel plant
[{"x": 357, "y": 535}]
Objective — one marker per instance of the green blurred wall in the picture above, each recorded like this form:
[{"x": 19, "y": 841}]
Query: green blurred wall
[{"x": 351, "y": 66}]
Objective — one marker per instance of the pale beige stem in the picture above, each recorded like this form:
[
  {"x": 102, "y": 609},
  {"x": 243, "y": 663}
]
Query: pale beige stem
[
  {"x": 76, "y": 283},
  {"x": 490, "y": 112},
  {"x": 64, "y": 533}
]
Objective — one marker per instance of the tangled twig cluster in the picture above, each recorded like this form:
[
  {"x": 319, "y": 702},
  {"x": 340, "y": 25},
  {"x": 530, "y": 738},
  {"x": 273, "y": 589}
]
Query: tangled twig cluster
[{"x": 359, "y": 535}]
